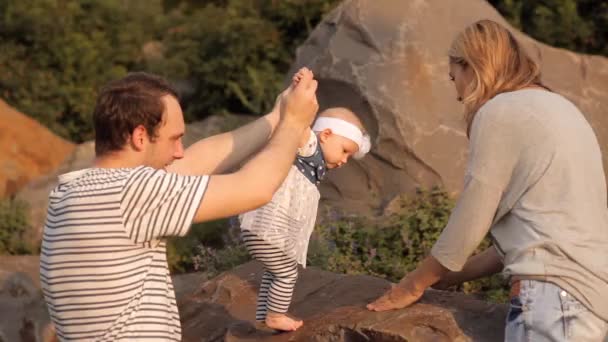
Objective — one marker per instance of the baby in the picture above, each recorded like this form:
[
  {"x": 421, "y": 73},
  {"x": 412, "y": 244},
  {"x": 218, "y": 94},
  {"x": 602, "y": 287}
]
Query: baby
[{"x": 277, "y": 234}]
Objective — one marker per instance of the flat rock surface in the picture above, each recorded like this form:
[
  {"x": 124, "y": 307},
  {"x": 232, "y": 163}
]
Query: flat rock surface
[{"x": 333, "y": 308}]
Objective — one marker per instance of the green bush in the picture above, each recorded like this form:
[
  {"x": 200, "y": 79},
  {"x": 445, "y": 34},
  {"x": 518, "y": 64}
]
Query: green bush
[
  {"x": 227, "y": 55},
  {"x": 215, "y": 260},
  {"x": 13, "y": 225},
  {"x": 56, "y": 54},
  {"x": 236, "y": 52},
  {"x": 578, "y": 25},
  {"x": 392, "y": 246},
  {"x": 210, "y": 247},
  {"x": 231, "y": 56},
  {"x": 181, "y": 250}
]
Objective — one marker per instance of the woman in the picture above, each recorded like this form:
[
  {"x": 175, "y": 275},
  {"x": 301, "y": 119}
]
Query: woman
[{"x": 535, "y": 181}]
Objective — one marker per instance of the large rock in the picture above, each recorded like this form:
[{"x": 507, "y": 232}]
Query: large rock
[
  {"x": 23, "y": 313},
  {"x": 222, "y": 309},
  {"x": 36, "y": 192},
  {"x": 27, "y": 150},
  {"x": 387, "y": 60},
  {"x": 333, "y": 309}
]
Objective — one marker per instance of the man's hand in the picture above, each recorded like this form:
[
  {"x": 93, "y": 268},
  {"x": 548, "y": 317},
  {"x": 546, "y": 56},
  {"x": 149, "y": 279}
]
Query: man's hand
[
  {"x": 298, "y": 76},
  {"x": 275, "y": 114},
  {"x": 256, "y": 182},
  {"x": 227, "y": 151},
  {"x": 299, "y": 102}
]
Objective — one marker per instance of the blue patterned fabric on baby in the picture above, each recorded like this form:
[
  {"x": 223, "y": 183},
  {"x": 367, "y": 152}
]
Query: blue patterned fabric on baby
[{"x": 312, "y": 167}]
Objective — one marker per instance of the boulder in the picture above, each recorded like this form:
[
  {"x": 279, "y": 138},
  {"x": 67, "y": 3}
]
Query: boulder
[
  {"x": 333, "y": 308},
  {"x": 387, "y": 60},
  {"x": 223, "y": 309},
  {"x": 28, "y": 150},
  {"x": 23, "y": 313},
  {"x": 36, "y": 193}
]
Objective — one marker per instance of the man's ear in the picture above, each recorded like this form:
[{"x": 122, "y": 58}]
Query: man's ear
[
  {"x": 139, "y": 138},
  {"x": 325, "y": 134}
]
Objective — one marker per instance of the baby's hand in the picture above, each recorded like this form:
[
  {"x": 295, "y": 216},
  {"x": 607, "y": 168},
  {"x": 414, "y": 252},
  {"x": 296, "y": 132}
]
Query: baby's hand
[
  {"x": 294, "y": 82},
  {"x": 298, "y": 76},
  {"x": 299, "y": 101}
]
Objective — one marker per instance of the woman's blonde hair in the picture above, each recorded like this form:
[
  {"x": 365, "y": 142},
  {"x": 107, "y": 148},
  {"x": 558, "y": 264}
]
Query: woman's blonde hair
[{"x": 498, "y": 61}]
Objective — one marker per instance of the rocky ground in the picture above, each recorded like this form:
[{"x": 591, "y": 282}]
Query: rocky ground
[{"x": 222, "y": 309}]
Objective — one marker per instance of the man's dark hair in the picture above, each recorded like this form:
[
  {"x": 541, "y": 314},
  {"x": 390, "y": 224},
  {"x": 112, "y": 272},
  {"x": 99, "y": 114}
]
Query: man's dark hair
[{"x": 126, "y": 103}]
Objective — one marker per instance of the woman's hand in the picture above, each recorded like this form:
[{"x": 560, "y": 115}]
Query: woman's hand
[
  {"x": 397, "y": 297},
  {"x": 411, "y": 287}
]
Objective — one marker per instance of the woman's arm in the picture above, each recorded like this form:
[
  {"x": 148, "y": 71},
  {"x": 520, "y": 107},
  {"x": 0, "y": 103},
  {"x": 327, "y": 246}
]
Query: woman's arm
[
  {"x": 478, "y": 266},
  {"x": 495, "y": 149}
]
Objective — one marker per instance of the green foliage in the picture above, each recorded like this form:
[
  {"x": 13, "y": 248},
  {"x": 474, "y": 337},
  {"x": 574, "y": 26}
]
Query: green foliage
[
  {"x": 56, "y": 54},
  {"x": 236, "y": 52},
  {"x": 227, "y": 55},
  {"x": 230, "y": 54},
  {"x": 393, "y": 246},
  {"x": 13, "y": 225},
  {"x": 578, "y": 25},
  {"x": 216, "y": 260},
  {"x": 210, "y": 247},
  {"x": 181, "y": 250},
  {"x": 387, "y": 248}
]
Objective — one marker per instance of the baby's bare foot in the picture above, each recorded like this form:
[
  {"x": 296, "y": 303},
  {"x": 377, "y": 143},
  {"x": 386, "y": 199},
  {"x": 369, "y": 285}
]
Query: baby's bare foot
[{"x": 282, "y": 322}]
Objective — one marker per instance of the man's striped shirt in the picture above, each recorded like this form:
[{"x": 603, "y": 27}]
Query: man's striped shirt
[{"x": 103, "y": 263}]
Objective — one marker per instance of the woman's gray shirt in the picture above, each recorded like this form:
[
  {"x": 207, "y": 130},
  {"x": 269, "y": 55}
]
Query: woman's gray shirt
[{"x": 535, "y": 180}]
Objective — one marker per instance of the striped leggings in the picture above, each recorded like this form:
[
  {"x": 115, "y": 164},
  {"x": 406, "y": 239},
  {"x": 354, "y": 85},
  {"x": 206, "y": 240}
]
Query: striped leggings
[{"x": 279, "y": 276}]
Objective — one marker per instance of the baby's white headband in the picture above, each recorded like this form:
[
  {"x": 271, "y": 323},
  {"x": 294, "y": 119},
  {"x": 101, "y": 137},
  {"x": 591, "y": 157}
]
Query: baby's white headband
[{"x": 347, "y": 130}]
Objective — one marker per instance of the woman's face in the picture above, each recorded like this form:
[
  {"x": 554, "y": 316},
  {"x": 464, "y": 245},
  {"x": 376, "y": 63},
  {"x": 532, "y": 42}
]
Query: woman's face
[{"x": 462, "y": 76}]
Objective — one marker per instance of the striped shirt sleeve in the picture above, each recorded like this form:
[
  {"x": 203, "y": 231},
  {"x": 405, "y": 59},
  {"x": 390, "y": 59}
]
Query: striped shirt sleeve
[{"x": 157, "y": 204}]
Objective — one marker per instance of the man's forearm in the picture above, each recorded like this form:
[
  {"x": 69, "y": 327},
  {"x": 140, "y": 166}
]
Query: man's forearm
[
  {"x": 275, "y": 160},
  {"x": 255, "y": 183},
  {"x": 223, "y": 152}
]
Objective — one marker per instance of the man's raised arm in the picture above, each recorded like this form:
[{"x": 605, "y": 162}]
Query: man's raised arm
[
  {"x": 256, "y": 182},
  {"x": 223, "y": 152}
]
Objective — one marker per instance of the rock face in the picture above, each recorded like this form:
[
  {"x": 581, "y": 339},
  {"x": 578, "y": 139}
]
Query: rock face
[
  {"x": 36, "y": 192},
  {"x": 23, "y": 313},
  {"x": 333, "y": 309},
  {"x": 27, "y": 150},
  {"x": 387, "y": 60},
  {"x": 222, "y": 309}
]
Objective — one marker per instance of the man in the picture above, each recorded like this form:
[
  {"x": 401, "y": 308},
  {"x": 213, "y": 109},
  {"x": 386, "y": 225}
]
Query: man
[{"x": 103, "y": 263}]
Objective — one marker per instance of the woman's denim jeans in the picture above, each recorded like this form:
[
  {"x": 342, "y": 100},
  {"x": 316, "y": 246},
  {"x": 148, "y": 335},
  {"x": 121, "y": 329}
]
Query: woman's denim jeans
[{"x": 542, "y": 311}]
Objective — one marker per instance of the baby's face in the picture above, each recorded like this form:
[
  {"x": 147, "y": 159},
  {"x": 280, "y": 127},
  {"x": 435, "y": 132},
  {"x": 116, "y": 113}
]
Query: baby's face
[{"x": 336, "y": 149}]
